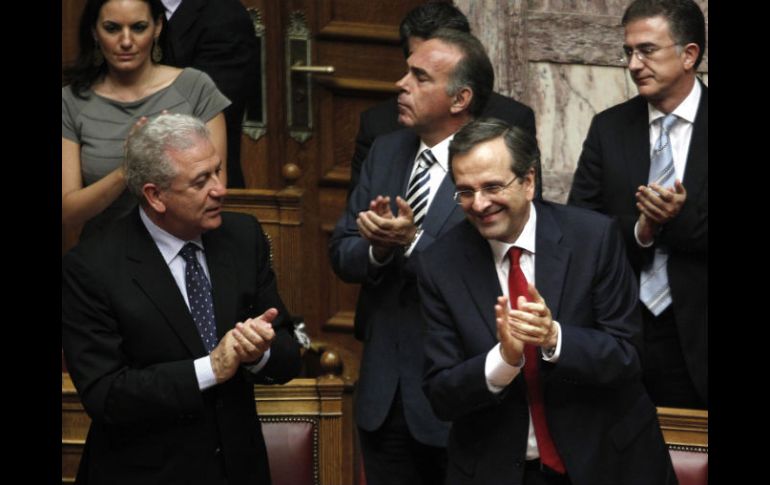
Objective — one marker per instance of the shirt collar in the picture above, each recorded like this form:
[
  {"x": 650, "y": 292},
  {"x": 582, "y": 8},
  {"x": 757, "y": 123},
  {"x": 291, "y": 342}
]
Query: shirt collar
[
  {"x": 526, "y": 239},
  {"x": 168, "y": 244},
  {"x": 440, "y": 150},
  {"x": 686, "y": 110},
  {"x": 171, "y": 6}
]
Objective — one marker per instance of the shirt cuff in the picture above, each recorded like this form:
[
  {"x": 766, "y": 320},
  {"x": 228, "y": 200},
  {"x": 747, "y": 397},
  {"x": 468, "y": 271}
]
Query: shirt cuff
[
  {"x": 636, "y": 236},
  {"x": 205, "y": 373},
  {"x": 373, "y": 260},
  {"x": 553, "y": 356},
  {"x": 498, "y": 372},
  {"x": 258, "y": 365}
]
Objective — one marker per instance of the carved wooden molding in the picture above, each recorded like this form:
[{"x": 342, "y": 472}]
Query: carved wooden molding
[
  {"x": 684, "y": 427},
  {"x": 336, "y": 29},
  {"x": 342, "y": 320}
]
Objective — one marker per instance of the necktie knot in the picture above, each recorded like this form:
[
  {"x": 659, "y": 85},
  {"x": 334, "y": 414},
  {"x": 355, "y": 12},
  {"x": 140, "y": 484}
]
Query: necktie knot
[
  {"x": 667, "y": 122},
  {"x": 188, "y": 252},
  {"x": 427, "y": 159},
  {"x": 514, "y": 255}
]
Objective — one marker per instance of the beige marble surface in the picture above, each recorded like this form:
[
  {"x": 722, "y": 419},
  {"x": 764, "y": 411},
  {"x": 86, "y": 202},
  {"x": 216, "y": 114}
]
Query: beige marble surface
[{"x": 559, "y": 57}]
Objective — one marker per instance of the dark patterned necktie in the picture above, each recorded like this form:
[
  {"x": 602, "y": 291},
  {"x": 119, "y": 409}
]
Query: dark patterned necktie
[{"x": 199, "y": 297}]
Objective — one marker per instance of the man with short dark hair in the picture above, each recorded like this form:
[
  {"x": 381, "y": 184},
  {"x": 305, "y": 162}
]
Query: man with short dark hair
[
  {"x": 645, "y": 162},
  {"x": 402, "y": 203},
  {"x": 417, "y": 26},
  {"x": 168, "y": 319},
  {"x": 545, "y": 389}
]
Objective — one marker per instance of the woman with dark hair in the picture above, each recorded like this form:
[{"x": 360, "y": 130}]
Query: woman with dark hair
[{"x": 115, "y": 82}]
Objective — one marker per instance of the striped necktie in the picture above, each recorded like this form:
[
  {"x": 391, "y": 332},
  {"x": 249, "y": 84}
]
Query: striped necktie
[
  {"x": 653, "y": 287},
  {"x": 418, "y": 189}
]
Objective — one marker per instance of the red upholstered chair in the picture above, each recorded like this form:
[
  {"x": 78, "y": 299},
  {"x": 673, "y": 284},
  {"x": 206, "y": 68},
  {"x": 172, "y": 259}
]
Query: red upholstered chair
[
  {"x": 302, "y": 425},
  {"x": 691, "y": 464},
  {"x": 686, "y": 434},
  {"x": 292, "y": 449}
]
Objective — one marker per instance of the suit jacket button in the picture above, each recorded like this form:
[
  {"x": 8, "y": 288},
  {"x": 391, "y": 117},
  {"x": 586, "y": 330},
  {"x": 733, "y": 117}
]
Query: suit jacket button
[{"x": 217, "y": 451}]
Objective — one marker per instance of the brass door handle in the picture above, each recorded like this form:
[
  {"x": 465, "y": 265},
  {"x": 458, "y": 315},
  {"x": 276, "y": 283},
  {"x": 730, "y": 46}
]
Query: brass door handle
[{"x": 313, "y": 69}]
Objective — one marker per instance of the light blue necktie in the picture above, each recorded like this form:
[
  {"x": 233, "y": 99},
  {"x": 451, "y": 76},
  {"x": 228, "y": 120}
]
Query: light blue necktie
[
  {"x": 653, "y": 288},
  {"x": 199, "y": 297},
  {"x": 418, "y": 189}
]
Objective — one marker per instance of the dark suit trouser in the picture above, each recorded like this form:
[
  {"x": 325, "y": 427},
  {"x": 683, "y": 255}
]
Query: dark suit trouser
[
  {"x": 666, "y": 376},
  {"x": 393, "y": 457}
]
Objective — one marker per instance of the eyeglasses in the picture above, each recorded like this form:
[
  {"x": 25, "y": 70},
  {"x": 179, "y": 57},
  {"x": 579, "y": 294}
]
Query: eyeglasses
[
  {"x": 467, "y": 196},
  {"x": 645, "y": 52}
]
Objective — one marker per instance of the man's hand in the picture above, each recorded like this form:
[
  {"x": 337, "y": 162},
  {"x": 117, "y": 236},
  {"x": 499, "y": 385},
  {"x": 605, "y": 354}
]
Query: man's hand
[
  {"x": 511, "y": 347},
  {"x": 531, "y": 321},
  {"x": 254, "y": 336},
  {"x": 384, "y": 230},
  {"x": 244, "y": 344},
  {"x": 659, "y": 204}
]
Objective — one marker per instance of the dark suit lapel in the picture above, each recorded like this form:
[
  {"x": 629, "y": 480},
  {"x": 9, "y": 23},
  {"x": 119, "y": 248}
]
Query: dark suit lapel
[
  {"x": 222, "y": 271},
  {"x": 480, "y": 276},
  {"x": 551, "y": 259},
  {"x": 637, "y": 146},
  {"x": 152, "y": 276},
  {"x": 441, "y": 208},
  {"x": 696, "y": 171}
]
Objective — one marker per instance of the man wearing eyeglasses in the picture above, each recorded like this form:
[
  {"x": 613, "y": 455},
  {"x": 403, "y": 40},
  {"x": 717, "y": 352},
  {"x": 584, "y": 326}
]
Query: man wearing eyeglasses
[
  {"x": 402, "y": 202},
  {"x": 645, "y": 162},
  {"x": 545, "y": 389}
]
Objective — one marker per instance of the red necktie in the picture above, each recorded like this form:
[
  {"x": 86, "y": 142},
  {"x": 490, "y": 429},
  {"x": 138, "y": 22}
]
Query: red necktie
[{"x": 549, "y": 456}]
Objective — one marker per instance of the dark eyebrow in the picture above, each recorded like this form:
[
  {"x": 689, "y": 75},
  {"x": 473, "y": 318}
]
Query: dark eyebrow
[{"x": 418, "y": 71}]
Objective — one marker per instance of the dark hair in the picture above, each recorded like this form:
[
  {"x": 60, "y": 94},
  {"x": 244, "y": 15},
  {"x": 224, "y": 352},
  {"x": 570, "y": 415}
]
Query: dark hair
[
  {"x": 82, "y": 74},
  {"x": 474, "y": 70},
  {"x": 685, "y": 20},
  {"x": 522, "y": 146},
  {"x": 424, "y": 20}
]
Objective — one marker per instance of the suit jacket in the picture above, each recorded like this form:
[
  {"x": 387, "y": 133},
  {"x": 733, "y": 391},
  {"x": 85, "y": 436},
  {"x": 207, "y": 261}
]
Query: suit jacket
[
  {"x": 383, "y": 118},
  {"x": 599, "y": 415},
  {"x": 130, "y": 343},
  {"x": 614, "y": 162},
  {"x": 218, "y": 38},
  {"x": 387, "y": 313}
]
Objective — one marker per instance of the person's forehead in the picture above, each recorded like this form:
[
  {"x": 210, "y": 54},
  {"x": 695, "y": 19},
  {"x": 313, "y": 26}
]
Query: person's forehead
[
  {"x": 655, "y": 26},
  {"x": 435, "y": 53}
]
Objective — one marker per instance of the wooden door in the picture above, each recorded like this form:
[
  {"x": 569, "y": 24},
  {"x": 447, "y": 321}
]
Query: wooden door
[{"x": 360, "y": 40}]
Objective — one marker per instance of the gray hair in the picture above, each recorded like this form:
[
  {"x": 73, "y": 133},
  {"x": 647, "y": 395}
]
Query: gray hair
[
  {"x": 474, "y": 70},
  {"x": 147, "y": 159},
  {"x": 521, "y": 145}
]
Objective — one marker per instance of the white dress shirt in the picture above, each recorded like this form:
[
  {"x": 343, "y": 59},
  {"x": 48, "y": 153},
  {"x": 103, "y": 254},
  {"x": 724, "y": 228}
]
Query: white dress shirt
[
  {"x": 499, "y": 373},
  {"x": 169, "y": 247}
]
